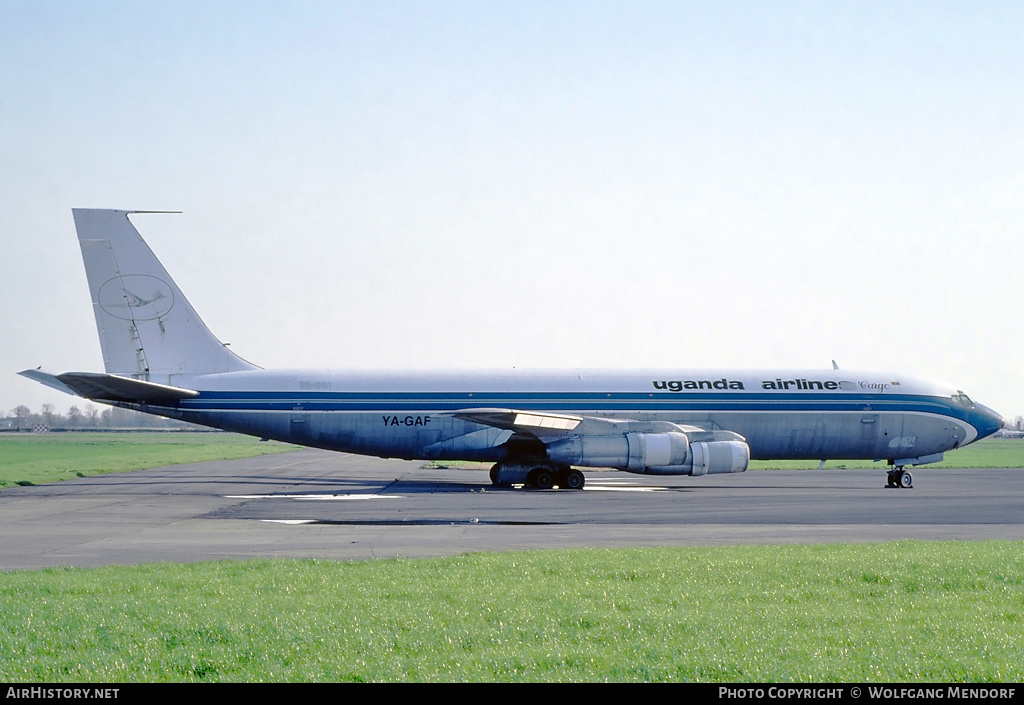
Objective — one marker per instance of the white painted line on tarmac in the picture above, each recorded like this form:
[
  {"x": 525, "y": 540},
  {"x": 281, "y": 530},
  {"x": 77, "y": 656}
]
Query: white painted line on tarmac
[
  {"x": 590, "y": 486},
  {"x": 315, "y": 497},
  {"x": 621, "y": 488}
]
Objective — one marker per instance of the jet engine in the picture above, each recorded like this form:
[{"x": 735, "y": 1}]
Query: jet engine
[{"x": 663, "y": 453}]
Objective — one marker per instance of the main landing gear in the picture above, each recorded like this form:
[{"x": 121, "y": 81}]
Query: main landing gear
[
  {"x": 900, "y": 478},
  {"x": 539, "y": 475}
]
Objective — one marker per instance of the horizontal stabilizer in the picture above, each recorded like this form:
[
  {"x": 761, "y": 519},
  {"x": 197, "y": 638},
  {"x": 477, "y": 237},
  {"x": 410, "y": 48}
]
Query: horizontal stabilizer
[
  {"x": 111, "y": 387},
  {"x": 50, "y": 380}
]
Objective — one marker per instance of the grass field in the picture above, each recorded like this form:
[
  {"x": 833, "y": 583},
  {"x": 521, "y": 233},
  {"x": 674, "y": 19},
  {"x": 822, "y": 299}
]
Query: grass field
[
  {"x": 36, "y": 458},
  {"x": 901, "y": 612}
]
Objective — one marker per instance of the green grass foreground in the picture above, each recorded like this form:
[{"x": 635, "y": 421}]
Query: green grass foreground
[
  {"x": 37, "y": 458},
  {"x": 905, "y": 611}
]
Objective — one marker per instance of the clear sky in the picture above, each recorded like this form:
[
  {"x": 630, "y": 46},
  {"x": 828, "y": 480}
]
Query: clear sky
[{"x": 529, "y": 184}]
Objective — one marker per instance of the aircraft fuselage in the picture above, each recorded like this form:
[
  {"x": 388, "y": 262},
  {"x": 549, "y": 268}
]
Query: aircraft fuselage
[{"x": 810, "y": 414}]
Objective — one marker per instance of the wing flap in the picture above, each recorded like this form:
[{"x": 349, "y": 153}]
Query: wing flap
[{"x": 537, "y": 422}]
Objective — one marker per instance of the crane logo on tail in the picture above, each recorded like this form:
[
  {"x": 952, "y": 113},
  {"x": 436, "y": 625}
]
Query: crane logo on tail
[{"x": 136, "y": 297}]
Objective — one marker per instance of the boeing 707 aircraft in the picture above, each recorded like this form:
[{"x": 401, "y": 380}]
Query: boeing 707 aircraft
[{"x": 538, "y": 428}]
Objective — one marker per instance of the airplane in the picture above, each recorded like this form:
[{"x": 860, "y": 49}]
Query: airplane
[{"x": 538, "y": 428}]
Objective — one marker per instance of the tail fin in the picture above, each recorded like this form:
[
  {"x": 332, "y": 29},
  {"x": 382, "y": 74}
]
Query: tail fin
[{"x": 148, "y": 329}]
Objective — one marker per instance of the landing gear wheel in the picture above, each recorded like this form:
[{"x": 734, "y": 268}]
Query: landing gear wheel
[
  {"x": 573, "y": 480},
  {"x": 494, "y": 474},
  {"x": 542, "y": 479},
  {"x": 891, "y": 475},
  {"x": 905, "y": 480}
]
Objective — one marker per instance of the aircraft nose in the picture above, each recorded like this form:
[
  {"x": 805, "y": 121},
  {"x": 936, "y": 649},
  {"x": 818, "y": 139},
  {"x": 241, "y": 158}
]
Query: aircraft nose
[{"x": 988, "y": 421}]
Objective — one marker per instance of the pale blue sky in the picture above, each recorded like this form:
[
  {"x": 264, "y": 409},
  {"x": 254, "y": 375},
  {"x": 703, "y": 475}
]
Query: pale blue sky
[{"x": 558, "y": 184}]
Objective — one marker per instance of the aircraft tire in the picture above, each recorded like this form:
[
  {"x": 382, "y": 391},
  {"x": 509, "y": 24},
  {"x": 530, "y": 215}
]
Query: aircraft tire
[
  {"x": 572, "y": 480},
  {"x": 494, "y": 474},
  {"x": 542, "y": 479},
  {"x": 905, "y": 480}
]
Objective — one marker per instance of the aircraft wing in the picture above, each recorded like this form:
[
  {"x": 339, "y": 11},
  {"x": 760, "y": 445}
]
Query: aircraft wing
[
  {"x": 635, "y": 445},
  {"x": 104, "y": 387},
  {"x": 548, "y": 426}
]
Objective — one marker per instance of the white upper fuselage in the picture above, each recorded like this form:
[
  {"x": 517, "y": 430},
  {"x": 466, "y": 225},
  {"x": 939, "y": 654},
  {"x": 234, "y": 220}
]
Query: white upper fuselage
[{"x": 582, "y": 380}]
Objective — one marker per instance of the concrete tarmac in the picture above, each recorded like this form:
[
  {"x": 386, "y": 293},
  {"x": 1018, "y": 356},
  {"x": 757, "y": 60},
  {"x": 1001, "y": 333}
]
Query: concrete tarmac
[{"x": 311, "y": 503}]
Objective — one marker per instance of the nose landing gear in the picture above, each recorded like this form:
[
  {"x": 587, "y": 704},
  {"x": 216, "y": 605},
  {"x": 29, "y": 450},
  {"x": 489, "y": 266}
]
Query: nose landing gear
[{"x": 900, "y": 478}]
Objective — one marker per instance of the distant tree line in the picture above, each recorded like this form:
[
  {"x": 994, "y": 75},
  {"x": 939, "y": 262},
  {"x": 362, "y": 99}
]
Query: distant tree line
[{"x": 89, "y": 416}]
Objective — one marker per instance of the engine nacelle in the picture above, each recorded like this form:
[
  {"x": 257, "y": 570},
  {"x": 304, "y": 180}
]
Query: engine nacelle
[
  {"x": 626, "y": 451},
  {"x": 719, "y": 457},
  {"x": 707, "y": 458},
  {"x": 668, "y": 453}
]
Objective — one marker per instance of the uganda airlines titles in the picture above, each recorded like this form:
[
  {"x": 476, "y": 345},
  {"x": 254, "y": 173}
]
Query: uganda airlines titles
[{"x": 801, "y": 384}]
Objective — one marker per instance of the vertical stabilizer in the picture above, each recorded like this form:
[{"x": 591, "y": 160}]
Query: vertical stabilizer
[{"x": 148, "y": 329}]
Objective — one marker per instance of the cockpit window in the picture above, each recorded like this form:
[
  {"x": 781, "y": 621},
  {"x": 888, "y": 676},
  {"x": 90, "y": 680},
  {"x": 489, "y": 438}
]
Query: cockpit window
[{"x": 963, "y": 399}]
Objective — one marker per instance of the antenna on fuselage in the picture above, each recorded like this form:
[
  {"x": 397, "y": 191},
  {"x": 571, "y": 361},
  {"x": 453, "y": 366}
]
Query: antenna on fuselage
[{"x": 834, "y": 365}]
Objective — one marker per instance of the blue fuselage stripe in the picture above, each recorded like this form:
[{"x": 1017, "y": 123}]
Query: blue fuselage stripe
[{"x": 572, "y": 401}]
